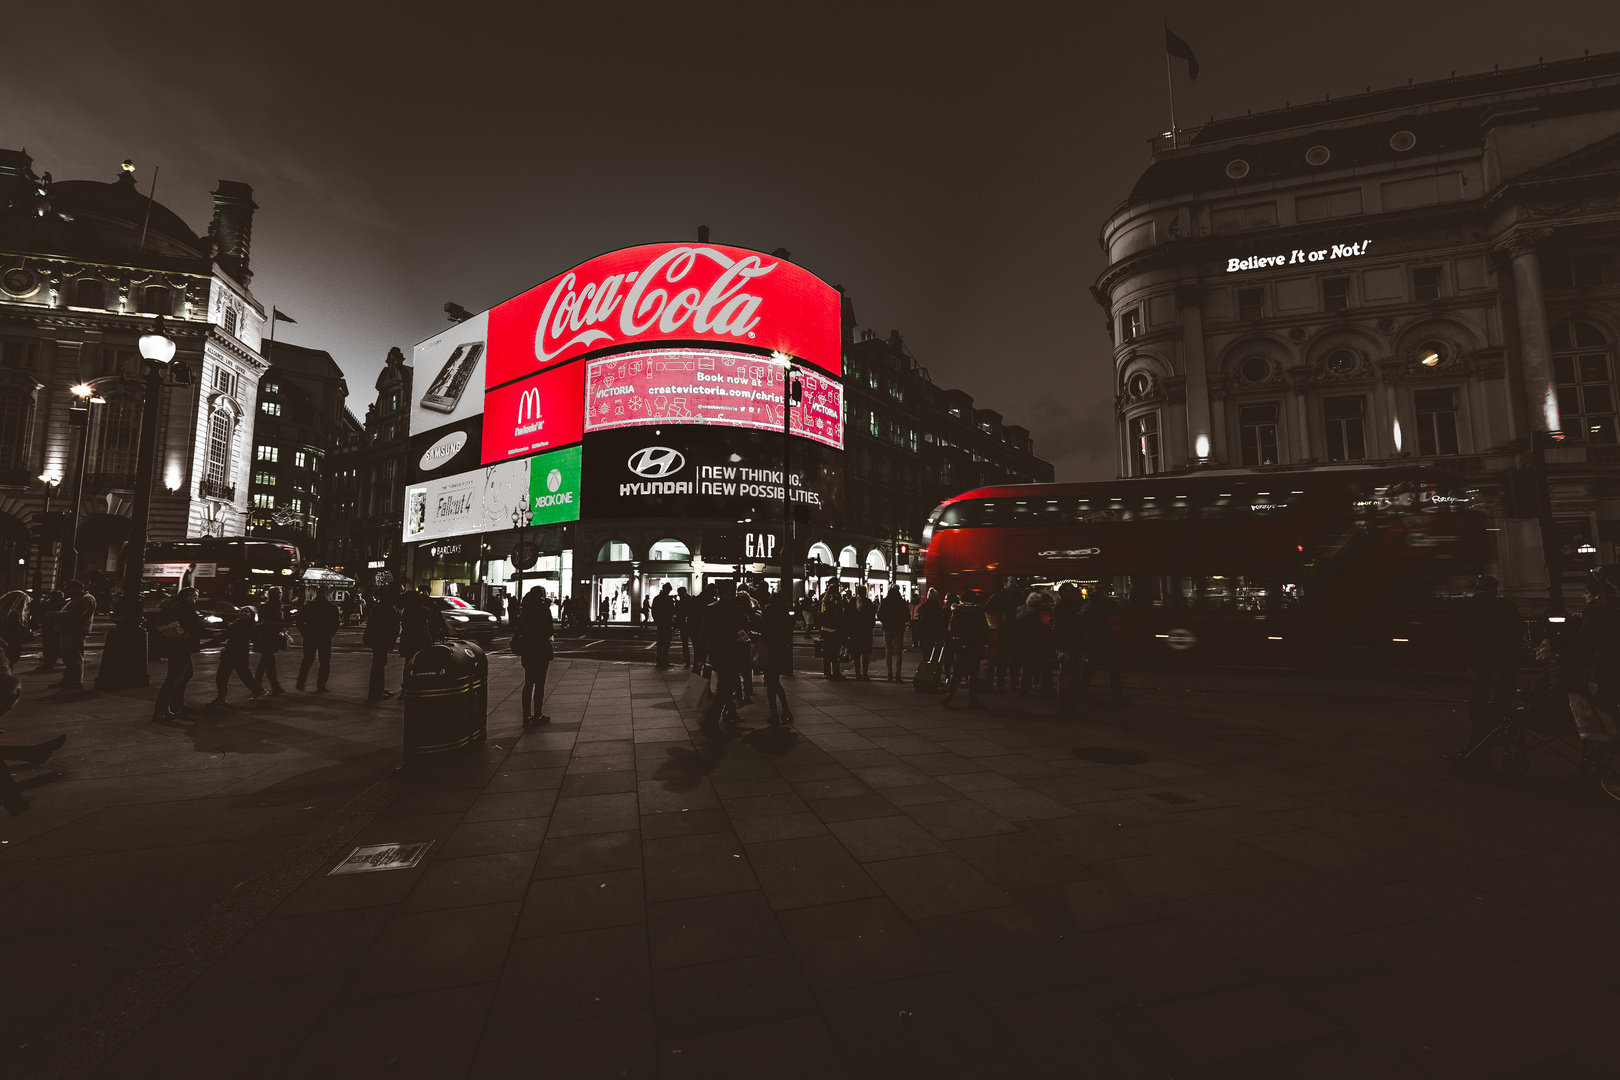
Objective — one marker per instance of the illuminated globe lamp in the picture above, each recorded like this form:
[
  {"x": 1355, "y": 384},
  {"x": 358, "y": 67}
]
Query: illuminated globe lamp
[{"x": 1429, "y": 354}]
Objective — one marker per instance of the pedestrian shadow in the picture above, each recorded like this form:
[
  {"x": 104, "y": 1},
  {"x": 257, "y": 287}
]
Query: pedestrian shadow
[
  {"x": 683, "y": 769},
  {"x": 772, "y": 739}
]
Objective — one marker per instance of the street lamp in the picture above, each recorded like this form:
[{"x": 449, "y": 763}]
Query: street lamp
[
  {"x": 522, "y": 516},
  {"x": 123, "y": 663},
  {"x": 792, "y": 394},
  {"x": 78, "y": 416},
  {"x": 51, "y": 484}
]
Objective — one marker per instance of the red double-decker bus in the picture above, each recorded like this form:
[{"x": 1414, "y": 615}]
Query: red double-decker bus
[{"x": 1338, "y": 567}]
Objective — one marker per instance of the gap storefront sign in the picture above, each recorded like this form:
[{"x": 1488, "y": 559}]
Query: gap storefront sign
[{"x": 487, "y": 499}]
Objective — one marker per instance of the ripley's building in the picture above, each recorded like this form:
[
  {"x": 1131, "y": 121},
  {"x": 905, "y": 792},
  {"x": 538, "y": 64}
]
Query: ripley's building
[
  {"x": 621, "y": 426},
  {"x": 1422, "y": 275}
]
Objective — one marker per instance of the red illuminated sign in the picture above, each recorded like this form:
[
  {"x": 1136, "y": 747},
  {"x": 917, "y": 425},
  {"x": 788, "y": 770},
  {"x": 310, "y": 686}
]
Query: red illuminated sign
[
  {"x": 719, "y": 296},
  {"x": 706, "y": 386},
  {"x": 536, "y": 414}
]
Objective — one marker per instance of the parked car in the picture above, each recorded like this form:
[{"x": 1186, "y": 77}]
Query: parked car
[{"x": 465, "y": 620}]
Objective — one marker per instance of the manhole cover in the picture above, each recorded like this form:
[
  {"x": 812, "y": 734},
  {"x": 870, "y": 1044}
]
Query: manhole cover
[
  {"x": 363, "y": 860},
  {"x": 1110, "y": 755},
  {"x": 1169, "y": 797}
]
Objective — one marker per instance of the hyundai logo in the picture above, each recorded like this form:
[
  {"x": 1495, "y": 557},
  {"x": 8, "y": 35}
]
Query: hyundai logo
[{"x": 655, "y": 462}]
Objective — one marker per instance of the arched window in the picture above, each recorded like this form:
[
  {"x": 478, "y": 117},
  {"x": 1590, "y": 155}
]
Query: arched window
[
  {"x": 117, "y": 436},
  {"x": 614, "y": 551},
  {"x": 220, "y": 425},
  {"x": 820, "y": 553},
  {"x": 1583, "y": 368},
  {"x": 668, "y": 551},
  {"x": 849, "y": 557},
  {"x": 876, "y": 561}
]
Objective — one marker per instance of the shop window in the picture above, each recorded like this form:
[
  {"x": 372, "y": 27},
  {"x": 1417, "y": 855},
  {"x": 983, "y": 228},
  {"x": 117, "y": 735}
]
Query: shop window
[
  {"x": 1336, "y": 294},
  {"x": 1250, "y": 304},
  {"x": 668, "y": 551},
  {"x": 1583, "y": 370},
  {"x": 1257, "y": 435},
  {"x": 614, "y": 551},
  {"x": 1145, "y": 444},
  {"x": 1426, "y": 283},
  {"x": 1436, "y": 421},
  {"x": 1345, "y": 420}
]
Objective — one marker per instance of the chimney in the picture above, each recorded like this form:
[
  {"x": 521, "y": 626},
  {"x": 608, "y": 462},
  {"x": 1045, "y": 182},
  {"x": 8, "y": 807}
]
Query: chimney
[
  {"x": 232, "y": 228},
  {"x": 703, "y": 234}
]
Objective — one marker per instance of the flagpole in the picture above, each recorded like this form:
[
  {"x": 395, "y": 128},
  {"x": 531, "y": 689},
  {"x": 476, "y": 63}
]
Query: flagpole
[{"x": 1170, "y": 84}]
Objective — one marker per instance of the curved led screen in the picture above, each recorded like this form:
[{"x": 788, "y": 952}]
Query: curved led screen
[
  {"x": 696, "y": 294},
  {"x": 707, "y": 386}
]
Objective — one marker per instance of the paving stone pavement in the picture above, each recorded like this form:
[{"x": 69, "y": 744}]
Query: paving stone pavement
[{"x": 1246, "y": 875}]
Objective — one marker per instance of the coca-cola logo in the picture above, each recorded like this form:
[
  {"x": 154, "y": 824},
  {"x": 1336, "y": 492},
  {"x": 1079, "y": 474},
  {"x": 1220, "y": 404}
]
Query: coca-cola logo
[
  {"x": 704, "y": 286},
  {"x": 719, "y": 296}
]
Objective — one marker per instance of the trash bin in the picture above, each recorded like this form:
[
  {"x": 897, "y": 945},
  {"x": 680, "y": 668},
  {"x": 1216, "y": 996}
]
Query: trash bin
[
  {"x": 439, "y": 719},
  {"x": 479, "y": 686}
]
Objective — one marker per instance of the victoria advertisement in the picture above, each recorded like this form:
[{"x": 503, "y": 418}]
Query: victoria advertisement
[
  {"x": 449, "y": 375},
  {"x": 706, "y": 386},
  {"x": 540, "y": 490},
  {"x": 707, "y": 473}
]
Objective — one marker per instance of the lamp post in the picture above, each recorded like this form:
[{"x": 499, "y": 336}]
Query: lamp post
[
  {"x": 78, "y": 416},
  {"x": 123, "y": 663},
  {"x": 51, "y": 484},
  {"x": 792, "y": 394},
  {"x": 521, "y": 517}
]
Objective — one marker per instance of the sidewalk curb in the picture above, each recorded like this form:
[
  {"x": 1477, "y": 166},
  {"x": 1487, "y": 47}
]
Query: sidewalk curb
[{"x": 79, "y": 1044}]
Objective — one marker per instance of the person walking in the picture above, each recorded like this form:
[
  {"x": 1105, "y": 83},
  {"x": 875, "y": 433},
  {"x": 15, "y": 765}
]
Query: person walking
[
  {"x": 318, "y": 623},
  {"x": 1002, "y": 607},
  {"x": 72, "y": 627},
  {"x": 382, "y": 631},
  {"x": 695, "y": 627},
  {"x": 270, "y": 637},
  {"x": 832, "y": 634},
  {"x": 663, "y": 614},
  {"x": 179, "y": 629},
  {"x": 1102, "y": 645},
  {"x": 1033, "y": 664},
  {"x": 683, "y": 624},
  {"x": 728, "y": 643},
  {"x": 1068, "y": 641},
  {"x": 532, "y": 642},
  {"x": 893, "y": 614},
  {"x": 46, "y": 611},
  {"x": 236, "y": 656},
  {"x": 1491, "y": 635},
  {"x": 14, "y": 624},
  {"x": 32, "y": 754},
  {"x": 968, "y": 633},
  {"x": 776, "y": 626},
  {"x": 860, "y": 622},
  {"x": 931, "y": 620},
  {"x": 421, "y": 623}
]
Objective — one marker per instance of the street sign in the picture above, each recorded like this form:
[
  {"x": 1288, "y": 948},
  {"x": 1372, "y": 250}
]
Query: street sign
[
  {"x": 1181, "y": 640},
  {"x": 525, "y": 554}
]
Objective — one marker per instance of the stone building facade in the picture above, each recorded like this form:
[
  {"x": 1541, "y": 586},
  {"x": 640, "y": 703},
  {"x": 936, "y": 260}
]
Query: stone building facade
[
  {"x": 1423, "y": 275},
  {"x": 85, "y": 269}
]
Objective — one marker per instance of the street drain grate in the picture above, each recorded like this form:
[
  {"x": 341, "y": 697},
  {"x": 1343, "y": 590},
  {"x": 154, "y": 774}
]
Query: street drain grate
[
  {"x": 1169, "y": 797},
  {"x": 363, "y": 860},
  {"x": 1110, "y": 755}
]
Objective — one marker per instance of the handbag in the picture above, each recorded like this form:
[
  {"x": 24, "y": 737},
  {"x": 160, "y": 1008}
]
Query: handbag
[
  {"x": 171, "y": 632},
  {"x": 696, "y": 693}
]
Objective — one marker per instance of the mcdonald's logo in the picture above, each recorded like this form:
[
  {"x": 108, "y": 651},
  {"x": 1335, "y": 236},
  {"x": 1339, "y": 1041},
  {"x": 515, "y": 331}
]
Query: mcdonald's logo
[{"x": 529, "y": 405}]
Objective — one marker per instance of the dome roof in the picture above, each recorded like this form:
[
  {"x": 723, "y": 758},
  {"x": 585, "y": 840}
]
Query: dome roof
[{"x": 120, "y": 207}]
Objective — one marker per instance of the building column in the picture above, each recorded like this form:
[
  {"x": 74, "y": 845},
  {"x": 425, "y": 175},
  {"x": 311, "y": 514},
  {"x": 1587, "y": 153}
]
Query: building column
[
  {"x": 1301, "y": 378},
  {"x": 1218, "y": 450},
  {"x": 1200, "y": 436},
  {"x": 1535, "y": 343}
]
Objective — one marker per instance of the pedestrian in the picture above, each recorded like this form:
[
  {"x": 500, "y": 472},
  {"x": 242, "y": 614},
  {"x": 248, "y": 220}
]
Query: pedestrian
[
  {"x": 931, "y": 620},
  {"x": 14, "y": 626},
  {"x": 1491, "y": 634},
  {"x": 1002, "y": 607},
  {"x": 776, "y": 626},
  {"x": 860, "y": 620},
  {"x": 235, "y": 657},
  {"x": 270, "y": 637},
  {"x": 968, "y": 633},
  {"x": 47, "y": 610},
  {"x": 382, "y": 631},
  {"x": 1102, "y": 645},
  {"x": 1068, "y": 641},
  {"x": 318, "y": 623},
  {"x": 514, "y": 609},
  {"x": 421, "y": 623},
  {"x": 683, "y": 624},
  {"x": 1034, "y": 660},
  {"x": 893, "y": 614},
  {"x": 663, "y": 614},
  {"x": 728, "y": 644},
  {"x": 831, "y": 623},
  {"x": 72, "y": 626},
  {"x": 179, "y": 629},
  {"x": 531, "y": 640},
  {"x": 34, "y": 754},
  {"x": 694, "y": 627}
]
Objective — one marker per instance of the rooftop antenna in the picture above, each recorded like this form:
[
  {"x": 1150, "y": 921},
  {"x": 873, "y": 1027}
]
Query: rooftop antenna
[{"x": 151, "y": 195}]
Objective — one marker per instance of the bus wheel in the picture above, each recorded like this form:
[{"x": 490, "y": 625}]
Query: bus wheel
[{"x": 1358, "y": 652}]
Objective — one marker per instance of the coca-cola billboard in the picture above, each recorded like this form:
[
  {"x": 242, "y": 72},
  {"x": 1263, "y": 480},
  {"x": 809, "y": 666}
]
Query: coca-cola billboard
[
  {"x": 540, "y": 413},
  {"x": 707, "y": 386},
  {"x": 694, "y": 293}
]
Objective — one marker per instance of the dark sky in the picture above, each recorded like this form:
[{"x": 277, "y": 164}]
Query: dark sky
[{"x": 950, "y": 166}]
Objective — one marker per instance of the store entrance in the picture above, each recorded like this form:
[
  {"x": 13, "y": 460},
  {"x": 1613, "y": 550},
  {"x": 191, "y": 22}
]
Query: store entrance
[{"x": 611, "y": 601}]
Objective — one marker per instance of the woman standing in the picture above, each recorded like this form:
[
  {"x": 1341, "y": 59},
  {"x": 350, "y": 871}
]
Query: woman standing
[
  {"x": 777, "y": 627},
  {"x": 14, "y": 629},
  {"x": 179, "y": 628},
  {"x": 532, "y": 643},
  {"x": 270, "y": 638}
]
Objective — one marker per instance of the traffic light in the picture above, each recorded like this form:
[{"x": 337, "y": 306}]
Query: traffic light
[{"x": 902, "y": 556}]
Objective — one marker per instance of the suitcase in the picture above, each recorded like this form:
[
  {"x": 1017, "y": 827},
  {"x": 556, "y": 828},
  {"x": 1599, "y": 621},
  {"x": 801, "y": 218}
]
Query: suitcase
[{"x": 926, "y": 680}]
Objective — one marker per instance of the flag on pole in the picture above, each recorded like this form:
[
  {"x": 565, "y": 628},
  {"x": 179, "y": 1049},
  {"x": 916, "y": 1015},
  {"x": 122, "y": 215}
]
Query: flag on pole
[
  {"x": 1174, "y": 46},
  {"x": 276, "y": 314}
]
